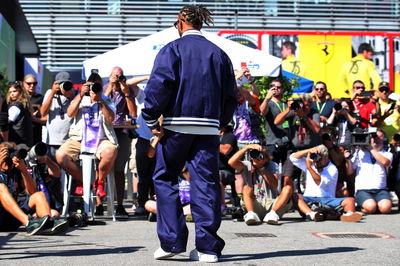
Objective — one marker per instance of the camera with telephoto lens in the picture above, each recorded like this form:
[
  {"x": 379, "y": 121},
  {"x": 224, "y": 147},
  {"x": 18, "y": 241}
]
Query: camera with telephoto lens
[
  {"x": 121, "y": 78},
  {"x": 95, "y": 87},
  {"x": 362, "y": 137},
  {"x": 37, "y": 151},
  {"x": 66, "y": 85},
  {"x": 20, "y": 151},
  {"x": 315, "y": 157},
  {"x": 337, "y": 107},
  {"x": 256, "y": 154},
  {"x": 295, "y": 106}
]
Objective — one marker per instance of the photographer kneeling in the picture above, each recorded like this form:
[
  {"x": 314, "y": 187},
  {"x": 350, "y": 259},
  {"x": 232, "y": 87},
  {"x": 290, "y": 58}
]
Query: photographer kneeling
[
  {"x": 14, "y": 180},
  {"x": 321, "y": 180},
  {"x": 261, "y": 180}
]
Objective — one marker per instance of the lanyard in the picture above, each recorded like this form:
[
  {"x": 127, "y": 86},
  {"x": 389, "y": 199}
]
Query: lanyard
[
  {"x": 278, "y": 105},
  {"x": 320, "y": 109}
]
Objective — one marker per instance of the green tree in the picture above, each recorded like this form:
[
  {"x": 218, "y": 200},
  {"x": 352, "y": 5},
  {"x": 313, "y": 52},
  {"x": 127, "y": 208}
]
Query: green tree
[{"x": 4, "y": 81}]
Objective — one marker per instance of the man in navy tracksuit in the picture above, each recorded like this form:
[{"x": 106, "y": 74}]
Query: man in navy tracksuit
[{"x": 192, "y": 86}]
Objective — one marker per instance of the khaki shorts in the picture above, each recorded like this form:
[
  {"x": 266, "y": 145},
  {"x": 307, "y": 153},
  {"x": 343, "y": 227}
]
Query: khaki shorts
[
  {"x": 261, "y": 209},
  {"x": 73, "y": 148}
]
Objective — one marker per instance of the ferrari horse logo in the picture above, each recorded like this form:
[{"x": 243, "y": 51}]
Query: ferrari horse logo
[{"x": 325, "y": 50}]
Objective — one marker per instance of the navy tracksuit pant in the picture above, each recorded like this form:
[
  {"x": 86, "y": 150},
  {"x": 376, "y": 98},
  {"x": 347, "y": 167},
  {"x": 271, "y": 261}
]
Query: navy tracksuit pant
[{"x": 201, "y": 152}]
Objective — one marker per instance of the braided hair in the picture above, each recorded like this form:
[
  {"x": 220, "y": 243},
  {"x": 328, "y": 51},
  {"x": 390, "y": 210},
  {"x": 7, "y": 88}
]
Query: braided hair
[{"x": 197, "y": 15}]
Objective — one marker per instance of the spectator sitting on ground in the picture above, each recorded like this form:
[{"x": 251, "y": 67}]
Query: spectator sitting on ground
[
  {"x": 90, "y": 132},
  {"x": 15, "y": 179},
  {"x": 371, "y": 165},
  {"x": 261, "y": 180},
  {"x": 19, "y": 115},
  {"x": 321, "y": 180}
]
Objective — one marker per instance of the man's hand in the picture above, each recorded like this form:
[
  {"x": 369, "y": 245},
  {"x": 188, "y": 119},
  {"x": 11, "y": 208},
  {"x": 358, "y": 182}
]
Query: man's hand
[
  {"x": 3, "y": 154},
  {"x": 84, "y": 89},
  {"x": 125, "y": 89},
  {"x": 271, "y": 93},
  {"x": 254, "y": 147},
  {"x": 309, "y": 162},
  {"x": 19, "y": 164},
  {"x": 158, "y": 131},
  {"x": 113, "y": 79},
  {"x": 56, "y": 87}
]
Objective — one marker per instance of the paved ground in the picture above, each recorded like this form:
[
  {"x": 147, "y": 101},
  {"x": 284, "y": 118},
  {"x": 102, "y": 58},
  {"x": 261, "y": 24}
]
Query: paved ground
[{"x": 132, "y": 242}]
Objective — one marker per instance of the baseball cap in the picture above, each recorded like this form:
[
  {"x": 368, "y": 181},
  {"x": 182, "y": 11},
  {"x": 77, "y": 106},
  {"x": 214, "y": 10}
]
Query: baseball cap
[
  {"x": 62, "y": 77},
  {"x": 384, "y": 84}
]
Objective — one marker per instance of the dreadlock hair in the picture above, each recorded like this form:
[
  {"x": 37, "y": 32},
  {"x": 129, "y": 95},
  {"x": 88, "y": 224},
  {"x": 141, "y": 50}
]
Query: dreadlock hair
[{"x": 197, "y": 15}]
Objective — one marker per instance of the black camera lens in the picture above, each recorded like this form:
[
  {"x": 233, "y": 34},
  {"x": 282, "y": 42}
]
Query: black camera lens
[
  {"x": 95, "y": 87},
  {"x": 295, "y": 106},
  {"x": 396, "y": 137},
  {"x": 121, "y": 78},
  {"x": 337, "y": 106},
  {"x": 315, "y": 157},
  {"x": 326, "y": 136},
  {"x": 19, "y": 153},
  {"x": 66, "y": 85},
  {"x": 256, "y": 154}
]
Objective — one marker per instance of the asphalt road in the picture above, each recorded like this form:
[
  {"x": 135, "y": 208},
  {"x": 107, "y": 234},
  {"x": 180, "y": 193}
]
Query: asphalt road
[{"x": 133, "y": 241}]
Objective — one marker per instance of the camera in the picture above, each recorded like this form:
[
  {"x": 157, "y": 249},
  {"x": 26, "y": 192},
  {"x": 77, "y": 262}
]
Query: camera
[
  {"x": 361, "y": 137},
  {"x": 20, "y": 152},
  {"x": 256, "y": 154},
  {"x": 295, "y": 105},
  {"x": 37, "y": 151},
  {"x": 66, "y": 85},
  {"x": 396, "y": 137},
  {"x": 315, "y": 157},
  {"x": 337, "y": 107},
  {"x": 95, "y": 87},
  {"x": 121, "y": 78}
]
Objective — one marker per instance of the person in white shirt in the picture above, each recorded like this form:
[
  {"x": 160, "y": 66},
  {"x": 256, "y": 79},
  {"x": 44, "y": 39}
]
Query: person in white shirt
[
  {"x": 321, "y": 181},
  {"x": 371, "y": 167}
]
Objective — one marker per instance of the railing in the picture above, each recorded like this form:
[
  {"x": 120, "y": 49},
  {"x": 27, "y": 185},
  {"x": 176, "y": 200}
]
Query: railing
[{"x": 69, "y": 32}]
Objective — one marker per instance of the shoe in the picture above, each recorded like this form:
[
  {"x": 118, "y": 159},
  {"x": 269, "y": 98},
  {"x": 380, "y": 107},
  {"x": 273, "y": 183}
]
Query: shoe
[
  {"x": 351, "y": 217},
  {"x": 100, "y": 189},
  {"x": 35, "y": 225},
  {"x": 271, "y": 218},
  {"x": 152, "y": 217},
  {"x": 319, "y": 217},
  {"x": 121, "y": 212},
  {"x": 56, "y": 227},
  {"x": 160, "y": 254},
  {"x": 251, "y": 218},
  {"x": 199, "y": 256},
  {"x": 99, "y": 210},
  {"x": 140, "y": 211}
]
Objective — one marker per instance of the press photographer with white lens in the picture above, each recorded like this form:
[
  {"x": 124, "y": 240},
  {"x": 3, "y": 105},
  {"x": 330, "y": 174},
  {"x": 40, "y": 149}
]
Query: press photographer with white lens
[{"x": 371, "y": 165}]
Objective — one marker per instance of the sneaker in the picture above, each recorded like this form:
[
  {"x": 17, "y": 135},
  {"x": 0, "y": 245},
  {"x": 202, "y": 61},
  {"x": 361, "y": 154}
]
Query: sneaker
[
  {"x": 271, "y": 218},
  {"x": 35, "y": 225},
  {"x": 140, "y": 211},
  {"x": 56, "y": 227},
  {"x": 351, "y": 217},
  {"x": 251, "y": 218},
  {"x": 100, "y": 189},
  {"x": 160, "y": 254},
  {"x": 319, "y": 217},
  {"x": 238, "y": 214},
  {"x": 99, "y": 210},
  {"x": 152, "y": 217},
  {"x": 199, "y": 256},
  {"x": 121, "y": 212}
]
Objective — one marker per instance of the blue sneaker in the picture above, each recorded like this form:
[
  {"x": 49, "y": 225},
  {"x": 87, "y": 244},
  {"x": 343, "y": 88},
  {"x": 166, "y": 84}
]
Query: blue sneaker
[{"x": 56, "y": 226}]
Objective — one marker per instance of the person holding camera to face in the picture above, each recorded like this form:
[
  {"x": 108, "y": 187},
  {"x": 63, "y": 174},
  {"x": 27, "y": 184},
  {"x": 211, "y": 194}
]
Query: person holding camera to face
[
  {"x": 55, "y": 104},
  {"x": 371, "y": 165},
  {"x": 321, "y": 180},
  {"x": 304, "y": 126},
  {"x": 33, "y": 210},
  {"x": 91, "y": 132},
  {"x": 363, "y": 105},
  {"x": 261, "y": 181}
]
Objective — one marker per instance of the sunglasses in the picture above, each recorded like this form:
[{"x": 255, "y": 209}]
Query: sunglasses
[
  {"x": 319, "y": 89},
  {"x": 176, "y": 22},
  {"x": 384, "y": 90},
  {"x": 274, "y": 86},
  {"x": 359, "y": 87},
  {"x": 31, "y": 83}
]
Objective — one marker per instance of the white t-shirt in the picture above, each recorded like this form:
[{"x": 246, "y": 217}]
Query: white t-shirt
[
  {"x": 58, "y": 122},
  {"x": 329, "y": 177},
  {"x": 370, "y": 175}
]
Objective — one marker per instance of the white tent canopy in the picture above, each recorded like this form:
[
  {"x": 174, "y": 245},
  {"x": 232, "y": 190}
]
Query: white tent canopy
[{"x": 137, "y": 58}]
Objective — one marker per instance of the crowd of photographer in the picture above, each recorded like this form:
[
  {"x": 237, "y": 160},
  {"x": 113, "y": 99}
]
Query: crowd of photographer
[{"x": 346, "y": 149}]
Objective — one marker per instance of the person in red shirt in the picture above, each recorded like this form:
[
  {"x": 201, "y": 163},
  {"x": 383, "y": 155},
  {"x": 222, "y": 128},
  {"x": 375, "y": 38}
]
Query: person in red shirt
[{"x": 363, "y": 105}]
